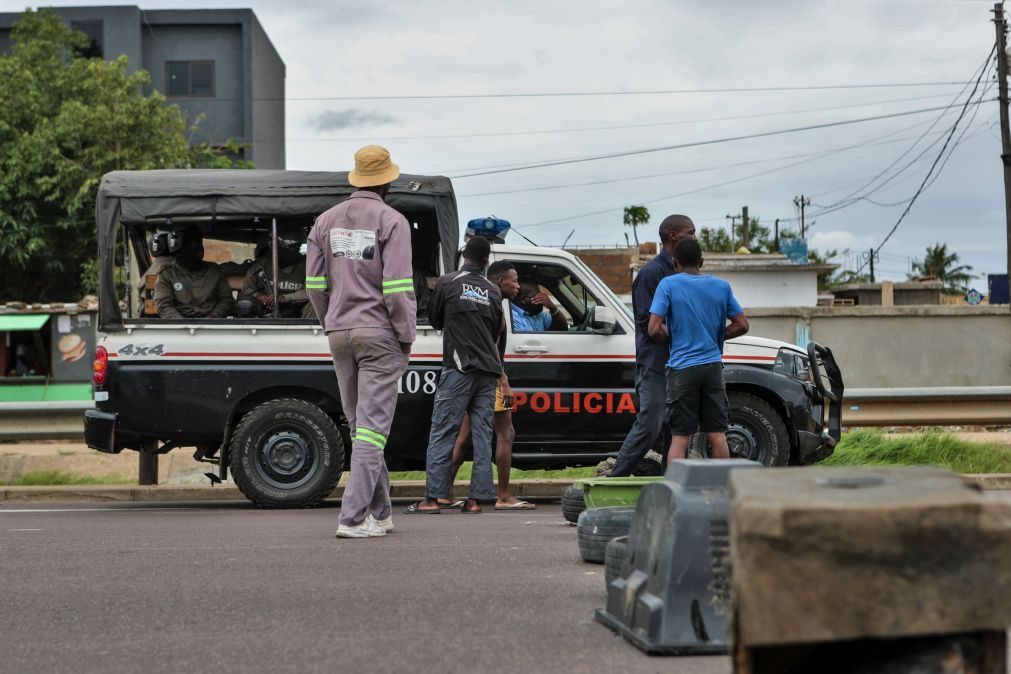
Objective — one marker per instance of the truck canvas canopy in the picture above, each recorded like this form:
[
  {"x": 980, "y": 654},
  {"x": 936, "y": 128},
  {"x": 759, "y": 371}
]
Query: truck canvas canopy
[{"x": 228, "y": 197}]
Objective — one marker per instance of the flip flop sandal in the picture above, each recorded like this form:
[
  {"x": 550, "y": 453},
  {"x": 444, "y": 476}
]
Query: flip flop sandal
[
  {"x": 475, "y": 510},
  {"x": 458, "y": 503},
  {"x": 413, "y": 509},
  {"x": 519, "y": 505}
]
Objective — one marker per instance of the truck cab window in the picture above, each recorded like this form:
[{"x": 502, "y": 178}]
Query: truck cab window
[{"x": 551, "y": 298}]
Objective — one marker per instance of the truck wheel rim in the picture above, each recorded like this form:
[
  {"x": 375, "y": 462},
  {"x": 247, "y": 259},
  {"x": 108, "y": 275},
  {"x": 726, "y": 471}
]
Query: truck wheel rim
[
  {"x": 287, "y": 459},
  {"x": 744, "y": 444}
]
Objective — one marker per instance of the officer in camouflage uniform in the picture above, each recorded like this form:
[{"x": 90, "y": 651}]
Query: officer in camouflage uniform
[
  {"x": 291, "y": 293},
  {"x": 190, "y": 287}
]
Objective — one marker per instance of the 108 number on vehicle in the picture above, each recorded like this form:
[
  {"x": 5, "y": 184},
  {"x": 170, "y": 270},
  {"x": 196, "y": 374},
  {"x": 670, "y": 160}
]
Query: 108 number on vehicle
[{"x": 415, "y": 381}]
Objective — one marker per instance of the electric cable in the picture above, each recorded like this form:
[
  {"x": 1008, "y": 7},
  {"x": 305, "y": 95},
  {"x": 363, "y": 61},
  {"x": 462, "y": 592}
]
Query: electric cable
[
  {"x": 700, "y": 143},
  {"x": 919, "y": 191}
]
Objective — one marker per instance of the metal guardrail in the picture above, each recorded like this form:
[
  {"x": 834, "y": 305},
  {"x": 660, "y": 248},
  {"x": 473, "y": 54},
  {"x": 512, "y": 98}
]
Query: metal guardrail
[
  {"x": 43, "y": 421},
  {"x": 937, "y": 406},
  {"x": 940, "y": 406}
]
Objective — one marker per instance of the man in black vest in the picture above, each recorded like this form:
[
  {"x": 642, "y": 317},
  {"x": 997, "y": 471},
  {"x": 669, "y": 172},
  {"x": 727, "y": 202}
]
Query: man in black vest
[{"x": 467, "y": 307}]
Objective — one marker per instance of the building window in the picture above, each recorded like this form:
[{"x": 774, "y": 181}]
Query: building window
[
  {"x": 190, "y": 78},
  {"x": 93, "y": 30}
]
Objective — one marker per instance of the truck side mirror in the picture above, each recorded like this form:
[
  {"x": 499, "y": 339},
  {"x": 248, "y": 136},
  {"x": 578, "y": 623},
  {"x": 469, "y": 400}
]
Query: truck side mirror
[{"x": 604, "y": 321}]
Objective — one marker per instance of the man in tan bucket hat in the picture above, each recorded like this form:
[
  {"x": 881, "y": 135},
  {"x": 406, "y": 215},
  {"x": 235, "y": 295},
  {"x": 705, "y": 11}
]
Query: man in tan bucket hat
[{"x": 359, "y": 279}]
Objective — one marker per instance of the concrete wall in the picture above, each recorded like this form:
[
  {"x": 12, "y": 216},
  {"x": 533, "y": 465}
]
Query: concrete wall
[
  {"x": 222, "y": 44},
  {"x": 771, "y": 289},
  {"x": 267, "y": 100},
  {"x": 894, "y": 347},
  {"x": 612, "y": 265}
]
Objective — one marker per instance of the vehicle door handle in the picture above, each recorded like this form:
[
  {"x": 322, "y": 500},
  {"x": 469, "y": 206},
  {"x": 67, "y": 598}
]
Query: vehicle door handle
[{"x": 530, "y": 348}]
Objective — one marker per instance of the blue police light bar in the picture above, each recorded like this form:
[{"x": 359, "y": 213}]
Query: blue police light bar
[{"x": 494, "y": 229}]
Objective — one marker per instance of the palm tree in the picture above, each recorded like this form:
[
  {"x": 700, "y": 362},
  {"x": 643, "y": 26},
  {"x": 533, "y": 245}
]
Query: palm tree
[
  {"x": 635, "y": 216},
  {"x": 943, "y": 266}
]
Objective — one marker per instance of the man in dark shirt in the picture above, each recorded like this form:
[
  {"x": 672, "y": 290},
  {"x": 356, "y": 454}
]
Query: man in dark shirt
[
  {"x": 650, "y": 357},
  {"x": 467, "y": 307}
]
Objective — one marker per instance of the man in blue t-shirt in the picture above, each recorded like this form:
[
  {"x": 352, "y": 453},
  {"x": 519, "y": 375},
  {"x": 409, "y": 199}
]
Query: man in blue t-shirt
[
  {"x": 533, "y": 311},
  {"x": 692, "y": 310},
  {"x": 650, "y": 357}
]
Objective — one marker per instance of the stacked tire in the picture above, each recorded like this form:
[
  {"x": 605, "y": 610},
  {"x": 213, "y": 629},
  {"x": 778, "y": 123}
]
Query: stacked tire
[
  {"x": 598, "y": 526},
  {"x": 614, "y": 557},
  {"x": 572, "y": 503}
]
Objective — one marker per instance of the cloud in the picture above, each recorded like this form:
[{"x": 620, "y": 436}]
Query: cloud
[
  {"x": 332, "y": 120},
  {"x": 839, "y": 240}
]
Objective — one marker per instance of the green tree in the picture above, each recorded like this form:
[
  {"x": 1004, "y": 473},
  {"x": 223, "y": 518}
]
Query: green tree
[
  {"x": 65, "y": 120},
  {"x": 943, "y": 265},
  {"x": 715, "y": 240},
  {"x": 633, "y": 217}
]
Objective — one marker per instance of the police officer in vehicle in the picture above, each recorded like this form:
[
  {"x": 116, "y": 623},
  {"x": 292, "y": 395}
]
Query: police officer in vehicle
[
  {"x": 292, "y": 297},
  {"x": 190, "y": 287}
]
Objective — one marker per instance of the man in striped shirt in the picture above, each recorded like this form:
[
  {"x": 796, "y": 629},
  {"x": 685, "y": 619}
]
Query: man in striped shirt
[{"x": 359, "y": 279}]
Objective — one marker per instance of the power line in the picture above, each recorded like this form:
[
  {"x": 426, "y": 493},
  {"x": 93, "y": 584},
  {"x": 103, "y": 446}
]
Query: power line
[
  {"x": 714, "y": 141},
  {"x": 870, "y": 182},
  {"x": 497, "y": 134},
  {"x": 681, "y": 194},
  {"x": 840, "y": 205},
  {"x": 646, "y": 92},
  {"x": 827, "y": 152},
  {"x": 926, "y": 178}
]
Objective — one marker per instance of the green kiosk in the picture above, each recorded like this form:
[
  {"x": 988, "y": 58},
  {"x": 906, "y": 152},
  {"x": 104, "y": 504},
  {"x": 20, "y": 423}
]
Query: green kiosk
[{"x": 46, "y": 354}]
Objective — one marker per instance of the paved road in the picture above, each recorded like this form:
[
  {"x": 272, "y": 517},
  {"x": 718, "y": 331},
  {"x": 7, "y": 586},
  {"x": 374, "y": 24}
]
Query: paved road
[{"x": 225, "y": 587}]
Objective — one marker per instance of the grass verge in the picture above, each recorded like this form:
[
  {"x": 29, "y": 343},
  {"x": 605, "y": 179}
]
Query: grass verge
[
  {"x": 48, "y": 478},
  {"x": 868, "y": 447}
]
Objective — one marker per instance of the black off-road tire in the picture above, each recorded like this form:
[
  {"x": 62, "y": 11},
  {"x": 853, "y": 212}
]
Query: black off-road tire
[
  {"x": 572, "y": 503},
  {"x": 596, "y": 528},
  {"x": 756, "y": 432},
  {"x": 614, "y": 557},
  {"x": 286, "y": 453}
]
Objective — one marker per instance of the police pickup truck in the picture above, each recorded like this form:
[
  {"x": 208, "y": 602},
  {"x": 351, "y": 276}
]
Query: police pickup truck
[{"x": 259, "y": 396}]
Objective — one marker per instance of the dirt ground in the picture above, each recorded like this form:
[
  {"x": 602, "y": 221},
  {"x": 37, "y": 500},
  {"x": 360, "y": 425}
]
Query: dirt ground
[{"x": 179, "y": 467}]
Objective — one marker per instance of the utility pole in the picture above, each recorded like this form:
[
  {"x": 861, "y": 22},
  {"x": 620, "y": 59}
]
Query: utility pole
[
  {"x": 745, "y": 228},
  {"x": 869, "y": 256},
  {"x": 733, "y": 222},
  {"x": 1005, "y": 132},
  {"x": 775, "y": 236},
  {"x": 800, "y": 202}
]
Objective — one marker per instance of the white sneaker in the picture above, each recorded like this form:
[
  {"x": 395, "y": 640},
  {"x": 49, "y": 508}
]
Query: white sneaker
[
  {"x": 384, "y": 524},
  {"x": 367, "y": 529}
]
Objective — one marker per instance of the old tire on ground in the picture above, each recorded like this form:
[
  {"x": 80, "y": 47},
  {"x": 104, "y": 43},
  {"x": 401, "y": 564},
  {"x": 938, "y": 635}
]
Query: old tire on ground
[
  {"x": 596, "y": 528},
  {"x": 286, "y": 453},
  {"x": 614, "y": 557},
  {"x": 651, "y": 465},
  {"x": 572, "y": 503},
  {"x": 756, "y": 432}
]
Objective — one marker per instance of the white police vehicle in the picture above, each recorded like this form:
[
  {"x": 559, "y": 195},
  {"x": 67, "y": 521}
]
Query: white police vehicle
[{"x": 259, "y": 396}]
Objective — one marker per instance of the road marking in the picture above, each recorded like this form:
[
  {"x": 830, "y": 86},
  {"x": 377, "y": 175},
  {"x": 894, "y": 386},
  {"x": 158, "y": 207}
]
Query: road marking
[
  {"x": 84, "y": 510},
  {"x": 26, "y": 530}
]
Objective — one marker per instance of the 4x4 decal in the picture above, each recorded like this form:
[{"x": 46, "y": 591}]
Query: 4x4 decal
[{"x": 134, "y": 350}]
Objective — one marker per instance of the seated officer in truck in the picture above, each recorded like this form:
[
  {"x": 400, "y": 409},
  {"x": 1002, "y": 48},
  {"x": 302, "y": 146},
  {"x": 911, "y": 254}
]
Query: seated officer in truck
[
  {"x": 291, "y": 295},
  {"x": 190, "y": 287},
  {"x": 533, "y": 311}
]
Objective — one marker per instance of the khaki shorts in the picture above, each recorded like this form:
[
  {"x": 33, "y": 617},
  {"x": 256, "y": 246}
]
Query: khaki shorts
[{"x": 500, "y": 401}]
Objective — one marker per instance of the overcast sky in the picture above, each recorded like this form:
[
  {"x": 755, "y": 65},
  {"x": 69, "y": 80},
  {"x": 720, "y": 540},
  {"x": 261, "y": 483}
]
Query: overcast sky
[{"x": 452, "y": 47}]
